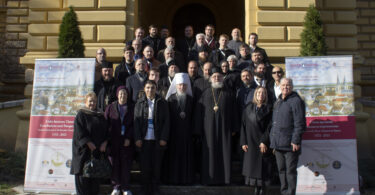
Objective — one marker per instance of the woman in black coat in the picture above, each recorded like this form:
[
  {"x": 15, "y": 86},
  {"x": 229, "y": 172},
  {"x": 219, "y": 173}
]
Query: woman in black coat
[
  {"x": 120, "y": 115},
  {"x": 255, "y": 141},
  {"x": 90, "y": 137}
]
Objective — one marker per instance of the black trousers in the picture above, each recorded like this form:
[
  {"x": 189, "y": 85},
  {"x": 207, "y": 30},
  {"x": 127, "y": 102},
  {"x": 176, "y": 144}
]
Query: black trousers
[
  {"x": 287, "y": 166},
  {"x": 151, "y": 156},
  {"x": 86, "y": 186}
]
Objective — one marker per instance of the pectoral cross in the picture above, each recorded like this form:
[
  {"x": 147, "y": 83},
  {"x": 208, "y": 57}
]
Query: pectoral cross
[{"x": 106, "y": 100}]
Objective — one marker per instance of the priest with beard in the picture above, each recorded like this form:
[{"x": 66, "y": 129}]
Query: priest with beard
[
  {"x": 178, "y": 166},
  {"x": 166, "y": 81},
  {"x": 105, "y": 88},
  {"x": 200, "y": 51},
  {"x": 204, "y": 82},
  {"x": 216, "y": 120},
  {"x": 186, "y": 44}
]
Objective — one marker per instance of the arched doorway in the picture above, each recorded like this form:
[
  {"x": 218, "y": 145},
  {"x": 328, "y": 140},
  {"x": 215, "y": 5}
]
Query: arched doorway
[
  {"x": 176, "y": 14},
  {"x": 193, "y": 14}
]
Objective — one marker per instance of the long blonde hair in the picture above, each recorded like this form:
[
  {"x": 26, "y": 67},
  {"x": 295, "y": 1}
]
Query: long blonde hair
[{"x": 255, "y": 100}]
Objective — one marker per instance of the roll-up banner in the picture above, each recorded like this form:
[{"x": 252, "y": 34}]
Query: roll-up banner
[
  {"x": 328, "y": 163},
  {"x": 59, "y": 88}
]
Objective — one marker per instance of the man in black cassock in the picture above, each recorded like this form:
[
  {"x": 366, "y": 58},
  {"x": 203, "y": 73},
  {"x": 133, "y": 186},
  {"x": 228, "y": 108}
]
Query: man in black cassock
[
  {"x": 105, "y": 88},
  {"x": 185, "y": 45},
  {"x": 178, "y": 166},
  {"x": 216, "y": 119}
]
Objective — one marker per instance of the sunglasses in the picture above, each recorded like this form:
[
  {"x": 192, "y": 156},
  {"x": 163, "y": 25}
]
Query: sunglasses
[{"x": 277, "y": 72}]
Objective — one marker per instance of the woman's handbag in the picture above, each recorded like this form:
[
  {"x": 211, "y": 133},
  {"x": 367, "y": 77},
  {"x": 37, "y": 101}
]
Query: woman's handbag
[{"x": 97, "y": 168}]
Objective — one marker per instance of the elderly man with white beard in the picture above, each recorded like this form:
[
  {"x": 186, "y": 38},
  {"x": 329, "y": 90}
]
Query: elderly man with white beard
[
  {"x": 216, "y": 120},
  {"x": 178, "y": 164}
]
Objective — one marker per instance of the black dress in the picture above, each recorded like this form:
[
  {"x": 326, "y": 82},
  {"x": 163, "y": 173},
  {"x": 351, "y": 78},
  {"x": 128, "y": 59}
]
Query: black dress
[{"x": 255, "y": 130}]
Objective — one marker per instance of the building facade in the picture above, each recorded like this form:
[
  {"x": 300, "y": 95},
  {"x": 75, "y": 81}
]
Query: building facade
[{"x": 29, "y": 30}]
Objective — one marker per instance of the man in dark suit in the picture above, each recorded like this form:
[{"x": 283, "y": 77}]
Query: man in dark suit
[{"x": 151, "y": 133}]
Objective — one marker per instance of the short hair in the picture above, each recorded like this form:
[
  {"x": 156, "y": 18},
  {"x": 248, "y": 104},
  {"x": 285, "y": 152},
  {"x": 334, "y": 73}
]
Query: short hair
[
  {"x": 244, "y": 46},
  {"x": 147, "y": 47},
  {"x": 222, "y": 62},
  {"x": 253, "y": 33},
  {"x": 149, "y": 82},
  {"x": 164, "y": 27},
  {"x": 257, "y": 51},
  {"x": 154, "y": 69},
  {"x": 102, "y": 49},
  {"x": 199, "y": 35},
  {"x": 139, "y": 28},
  {"x": 128, "y": 48},
  {"x": 290, "y": 80},
  {"x": 192, "y": 61},
  {"x": 255, "y": 100},
  {"x": 232, "y": 57},
  {"x": 247, "y": 70},
  {"x": 210, "y": 25},
  {"x": 152, "y": 26},
  {"x": 140, "y": 59},
  {"x": 210, "y": 63},
  {"x": 281, "y": 69},
  {"x": 170, "y": 37},
  {"x": 188, "y": 26},
  {"x": 90, "y": 95},
  {"x": 225, "y": 36}
]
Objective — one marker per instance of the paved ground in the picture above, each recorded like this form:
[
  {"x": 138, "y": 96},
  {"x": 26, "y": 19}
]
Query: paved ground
[{"x": 168, "y": 190}]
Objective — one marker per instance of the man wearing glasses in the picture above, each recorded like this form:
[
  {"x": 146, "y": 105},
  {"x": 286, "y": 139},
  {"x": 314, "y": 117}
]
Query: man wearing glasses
[{"x": 274, "y": 85}]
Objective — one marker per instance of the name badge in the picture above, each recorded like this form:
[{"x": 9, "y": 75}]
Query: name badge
[{"x": 122, "y": 129}]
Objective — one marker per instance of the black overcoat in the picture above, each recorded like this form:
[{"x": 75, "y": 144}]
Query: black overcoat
[
  {"x": 255, "y": 130},
  {"x": 89, "y": 126}
]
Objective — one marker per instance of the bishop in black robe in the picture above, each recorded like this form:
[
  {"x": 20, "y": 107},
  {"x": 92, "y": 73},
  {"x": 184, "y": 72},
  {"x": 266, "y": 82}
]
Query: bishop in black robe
[
  {"x": 216, "y": 129},
  {"x": 179, "y": 157}
]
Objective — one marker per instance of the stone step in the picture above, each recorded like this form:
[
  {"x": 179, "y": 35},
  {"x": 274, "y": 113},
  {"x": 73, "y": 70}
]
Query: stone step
[{"x": 198, "y": 190}]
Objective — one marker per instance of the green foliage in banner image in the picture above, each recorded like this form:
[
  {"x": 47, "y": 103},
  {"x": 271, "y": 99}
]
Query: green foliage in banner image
[
  {"x": 312, "y": 38},
  {"x": 70, "y": 39}
]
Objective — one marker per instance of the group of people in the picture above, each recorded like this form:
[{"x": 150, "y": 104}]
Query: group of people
[{"x": 186, "y": 107}]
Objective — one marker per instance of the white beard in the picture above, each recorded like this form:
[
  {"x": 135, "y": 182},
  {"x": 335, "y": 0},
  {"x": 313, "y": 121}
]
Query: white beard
[
  {"x": 217, "y": 85},
  {"x": 181, "y": 94}
]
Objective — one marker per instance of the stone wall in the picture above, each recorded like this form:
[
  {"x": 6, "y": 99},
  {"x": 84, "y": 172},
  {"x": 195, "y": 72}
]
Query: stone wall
[
  {"x": 278, "y": 24},
  {"x": 366, "y": 44},
  {"x": 102, "y": 23},
  {"x": 14, "y": 47}
]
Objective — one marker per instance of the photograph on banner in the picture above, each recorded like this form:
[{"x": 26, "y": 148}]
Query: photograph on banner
[
  {"x": 326, "y": 85},
  {"x": 59, "y": 88}
]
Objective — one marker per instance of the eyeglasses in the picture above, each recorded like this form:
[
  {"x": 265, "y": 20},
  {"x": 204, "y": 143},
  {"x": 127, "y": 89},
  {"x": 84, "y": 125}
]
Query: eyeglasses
[{"x": 277, "y": 72}]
